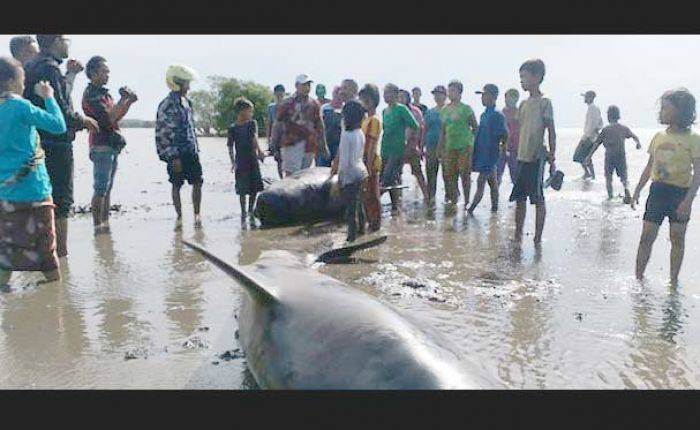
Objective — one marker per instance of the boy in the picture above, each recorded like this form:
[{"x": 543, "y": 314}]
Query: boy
[
  {"x": 492, "y": 131},
  {"x": 510, "y": 156},
  {"x": 536, "y": 116},
  {"x": 673, "y": 154},
  {"x": 613, "y": 139}
]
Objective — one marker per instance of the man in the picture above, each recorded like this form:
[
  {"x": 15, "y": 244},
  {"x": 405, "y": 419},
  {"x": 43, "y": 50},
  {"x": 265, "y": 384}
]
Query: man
[
  {"x": 491, "y": 132},
  {"x": 176, "y": 141},
  {"x": 321, "y": 95},
  {"x": 107, "y": 143},
  {"x": 594, "y": 122},
  {"x": 332, "y": 126},
  {"x": 273, "y": 141},
  {"x": 53, "y": 49},
  {"x": 301, "y": 128},
  {"x": 24, "y": 48},
  {"x": 416, "y": 92}
]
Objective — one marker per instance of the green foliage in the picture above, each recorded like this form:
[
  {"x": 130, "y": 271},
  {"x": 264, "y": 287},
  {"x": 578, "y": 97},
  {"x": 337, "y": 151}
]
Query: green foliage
[
  {"x": 204, "y": 104},
  {"x": 214, "y": 107}
]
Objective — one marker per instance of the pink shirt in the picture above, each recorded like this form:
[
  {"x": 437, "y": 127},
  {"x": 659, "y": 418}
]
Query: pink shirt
[{"x": 513, "y": 123}]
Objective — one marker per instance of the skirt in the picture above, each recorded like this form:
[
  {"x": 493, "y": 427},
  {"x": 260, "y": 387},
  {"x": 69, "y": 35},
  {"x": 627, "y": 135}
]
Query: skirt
[{"x": 28, "y": 236}]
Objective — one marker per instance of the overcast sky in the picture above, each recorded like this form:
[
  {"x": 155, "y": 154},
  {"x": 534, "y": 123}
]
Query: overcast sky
[{"x": 630, "y": 71}]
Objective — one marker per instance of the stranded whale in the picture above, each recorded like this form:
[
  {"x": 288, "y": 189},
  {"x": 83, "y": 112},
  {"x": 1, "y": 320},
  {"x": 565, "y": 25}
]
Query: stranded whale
[{"x": 301, "y": 329}]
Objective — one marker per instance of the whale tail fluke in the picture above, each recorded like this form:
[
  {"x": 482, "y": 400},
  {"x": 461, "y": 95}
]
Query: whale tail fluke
[{"x": 246, "y": 280}]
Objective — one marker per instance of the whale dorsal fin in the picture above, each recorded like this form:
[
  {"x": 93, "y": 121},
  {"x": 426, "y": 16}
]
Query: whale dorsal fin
[{"x": 250, "y": 284}]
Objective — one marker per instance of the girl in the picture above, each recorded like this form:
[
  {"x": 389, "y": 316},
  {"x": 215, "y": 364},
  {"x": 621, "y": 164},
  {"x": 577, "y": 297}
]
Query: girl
[
  {"x": 27, "y": 225},
  {"x": 350, "y": 167},
  {"x": 673, "y": 155},
  {"x": 244, "y": 152},
  {"x": 372, "y": 129}
]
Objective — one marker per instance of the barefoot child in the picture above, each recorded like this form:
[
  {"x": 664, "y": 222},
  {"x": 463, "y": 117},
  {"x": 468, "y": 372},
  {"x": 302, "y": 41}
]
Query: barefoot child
[
  {"x": 674, "y": 168},
  {"x": 350, "y": 166},
  {"x": 491, "y": 139},
  {"x": 244, "y": 152},
  {"x": 27, "y": 223},
  {"x": 536, "y": 116},
  {"x": 372, "y": 128},
  {"x": 613, "y": 139}
]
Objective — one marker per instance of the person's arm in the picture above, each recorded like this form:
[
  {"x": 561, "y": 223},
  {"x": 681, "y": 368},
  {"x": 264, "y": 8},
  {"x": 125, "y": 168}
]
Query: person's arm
[
  {"x": 472, "y": 122},
  {"x": 74, "y": 121},
  {"x": 441, "y": 140},
  {"x": 230, "y": 143},
  {"x": 120, "y": 109},
  {"x": 642, "y": 181},
  {"x": 256, "y": 145},
  {"x": 50, "y": 120},
  {"x": 634, "y": 136},
  {"x": 408, "y": 118},
  {"x": 165, "y": 132},
  {"x": 683, "y": 209},
  {"x": 372, "y": 137},
  {"x": 321, "y": 133},
  {"x": 268, "y": 126},
  {"x": 551, "y": 135},
  {"x": 504, "y": 133}
]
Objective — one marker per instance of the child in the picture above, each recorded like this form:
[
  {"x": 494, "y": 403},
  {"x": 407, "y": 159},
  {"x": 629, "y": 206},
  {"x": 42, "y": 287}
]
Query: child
[
  {"x": 414, "y": 143},
  {"x": 492, "y": 131},
  {"x": 673, "y": 155},
  {"x": 350, "y": 167},
  {"x": 613, "y": 139},
  {"x": 244, "y": 152},
  {"x": 457, "y": 141},
  {"x": 510, "y": 155},
  {"x": 27, "y": 223},
  {"x": 372, "y": 128},
  {"x": 536, "y": 116},
  {"x": 272, "y": 131}
]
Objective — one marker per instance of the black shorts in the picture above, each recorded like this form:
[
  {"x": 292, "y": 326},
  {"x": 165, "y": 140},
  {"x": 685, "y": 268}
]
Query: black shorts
[
  {"x": 616, "y": 162},
  {"x": 59, "y": 164},
  {"x": 191, "y": 171},
  {"x": 662, "y": 202},
  {"x": 528, "y": 182}
]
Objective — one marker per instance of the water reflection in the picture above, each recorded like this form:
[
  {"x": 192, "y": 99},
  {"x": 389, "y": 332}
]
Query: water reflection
[{"x": 184, "y": 297}]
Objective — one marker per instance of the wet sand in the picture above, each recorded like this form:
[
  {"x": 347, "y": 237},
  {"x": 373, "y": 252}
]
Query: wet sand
[{"x": 139, "y": 310}]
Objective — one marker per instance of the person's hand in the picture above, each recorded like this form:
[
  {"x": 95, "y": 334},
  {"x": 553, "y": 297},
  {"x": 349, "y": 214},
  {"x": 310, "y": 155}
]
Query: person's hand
[
  {"x": 683, "y": 209},
  {"x": 91, "y": 124},
  {"x": 43, "y": 89},
  {"x": 639, "y": 146},
  {"x": 74, "y": 66},
  {"x": 177, "y": 165},
  {"x": 635, "y": 199}
]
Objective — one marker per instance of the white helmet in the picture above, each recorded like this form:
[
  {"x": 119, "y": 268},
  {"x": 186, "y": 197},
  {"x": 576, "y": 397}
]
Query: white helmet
[{"x": 180, "y": 73}]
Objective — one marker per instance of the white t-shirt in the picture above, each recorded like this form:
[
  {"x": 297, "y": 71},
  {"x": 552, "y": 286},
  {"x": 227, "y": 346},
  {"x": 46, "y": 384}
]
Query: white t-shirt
[
  {"x": 351, "y": 168},
  {"x": 594, "y": 122}
]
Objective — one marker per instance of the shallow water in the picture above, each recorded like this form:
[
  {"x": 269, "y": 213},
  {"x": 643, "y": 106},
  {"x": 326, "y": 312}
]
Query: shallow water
[{"x": 138, "y": 310}]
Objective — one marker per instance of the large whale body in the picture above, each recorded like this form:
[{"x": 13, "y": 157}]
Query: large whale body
[
  {"x": 301, "y": 329},
  {"x": 299, "y": 198}
]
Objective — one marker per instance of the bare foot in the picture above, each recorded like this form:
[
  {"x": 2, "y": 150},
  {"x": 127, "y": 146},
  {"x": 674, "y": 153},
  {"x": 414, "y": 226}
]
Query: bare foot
[
  {"x": 178, "y": 224},
  {"x": 197, "y": 221}
]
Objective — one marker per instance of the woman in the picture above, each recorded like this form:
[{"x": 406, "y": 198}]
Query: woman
[{"x": 27, "y": 225}]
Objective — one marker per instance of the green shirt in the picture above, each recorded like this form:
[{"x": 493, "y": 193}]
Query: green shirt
[
  {"x": 458, "y": 132},
  {"x": 395, "y": 120}
]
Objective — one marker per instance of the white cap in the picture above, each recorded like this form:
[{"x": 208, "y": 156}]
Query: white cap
[{"x": 302, "y": 79}]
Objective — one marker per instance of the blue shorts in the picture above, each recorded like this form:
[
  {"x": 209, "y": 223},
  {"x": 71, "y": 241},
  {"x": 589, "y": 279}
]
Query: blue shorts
[{"x": 104, "y": 166}]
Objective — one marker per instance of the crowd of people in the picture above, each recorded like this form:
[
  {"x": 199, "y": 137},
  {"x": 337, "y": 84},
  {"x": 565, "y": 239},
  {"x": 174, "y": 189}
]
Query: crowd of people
[{"x": 367, "y": 150}]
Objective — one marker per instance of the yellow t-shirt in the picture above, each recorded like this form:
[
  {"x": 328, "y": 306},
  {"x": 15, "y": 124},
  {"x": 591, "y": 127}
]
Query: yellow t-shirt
[
  {"x": 672, "y": 155},
  {"x": 372, "y": 127}
]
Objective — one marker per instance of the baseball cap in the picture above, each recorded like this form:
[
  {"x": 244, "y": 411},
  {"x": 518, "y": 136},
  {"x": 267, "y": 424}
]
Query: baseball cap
[
  {"x": 439, "y": 89},
  {"x": 302, "y": 79},
  {"x": 589, "y": 93},
  {"x": 490, "y": 89}
]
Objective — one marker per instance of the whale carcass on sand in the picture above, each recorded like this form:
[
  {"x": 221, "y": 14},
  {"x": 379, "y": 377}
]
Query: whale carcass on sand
[
  {"x": 301, "y": 329},
  {"x": 299, "y": 198}
]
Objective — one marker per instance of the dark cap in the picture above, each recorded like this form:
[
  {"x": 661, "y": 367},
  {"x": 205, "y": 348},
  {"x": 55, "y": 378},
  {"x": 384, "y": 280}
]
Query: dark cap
[
  {"x": 589, "y": 93},
  {"x": 279, "y": 88},
  {"x": 490, "y": 89},
  {"x": 439, "y": 89}
]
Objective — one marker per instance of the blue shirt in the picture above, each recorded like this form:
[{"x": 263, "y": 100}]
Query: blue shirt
[
  {"x": 492, "y": 127},
  {"x": 19, "y": 120},
  {"x": 433, "y": 125},
  {"x": 271, "y": 113}
]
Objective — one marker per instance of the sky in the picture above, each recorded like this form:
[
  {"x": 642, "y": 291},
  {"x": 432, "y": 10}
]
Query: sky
[{"x": 631, "y": 71}]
